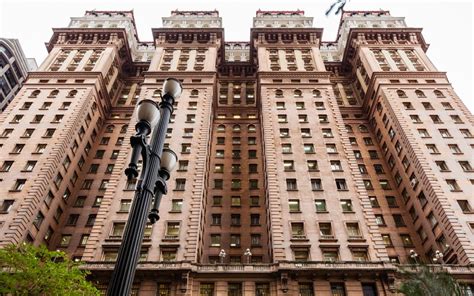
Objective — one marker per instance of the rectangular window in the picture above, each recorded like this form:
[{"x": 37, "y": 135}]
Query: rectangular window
[
  {"x": 316, "y": 184},
  {"x": 180, "y": 184},
  {"x": 294, "y": 205}
]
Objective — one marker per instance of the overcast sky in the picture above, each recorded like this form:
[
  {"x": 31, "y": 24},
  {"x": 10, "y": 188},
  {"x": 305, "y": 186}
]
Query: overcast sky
[{"x": 447, "y": 25}]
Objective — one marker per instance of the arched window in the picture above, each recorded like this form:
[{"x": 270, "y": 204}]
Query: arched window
[
  {"x": 194, "y": 93},
  {"x": 72, "y": 93},
  {"x": 279, "y": 93},
  {"x": 35, "y": 93},
  {"x": 221, "y": 128},
  {"x": 156, "y": 94},
  {"x": 316, "y": 93},
  {"x": 401, "y": 94},
  {"x": 363, "y": 129},
  {"x": 236, "y": 128},
  {"x": 439, "y": 94},
  {"x": 251, "y": 128},
  {"x": 297, "y": 93},
  {"x": 124, "y": 128},
  {"x": 349, "y": 128},
  {"x": 53, "y": 93},
  {"x": 420, "y": 94},
  {"x": 109, "y": 128}
]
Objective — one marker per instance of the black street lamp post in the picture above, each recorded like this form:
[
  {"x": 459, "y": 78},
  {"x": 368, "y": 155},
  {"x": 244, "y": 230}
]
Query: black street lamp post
[{"x": 157, "y": 165}]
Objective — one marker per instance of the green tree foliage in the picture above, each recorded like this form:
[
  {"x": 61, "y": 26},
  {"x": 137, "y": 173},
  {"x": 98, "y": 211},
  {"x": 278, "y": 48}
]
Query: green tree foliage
[
  {"x": 429, "y": 281},
  {"x": 29, "y": 270}
]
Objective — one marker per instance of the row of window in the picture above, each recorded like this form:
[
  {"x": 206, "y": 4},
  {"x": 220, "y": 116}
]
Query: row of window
[
  {"x": 436, "y": 119},
  {"x": 420, "y": 94}
]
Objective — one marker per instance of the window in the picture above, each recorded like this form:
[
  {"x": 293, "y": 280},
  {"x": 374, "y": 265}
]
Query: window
[
  {"x": 387, "y": 241},
  {"x": 398, "y": 219},
  {"x": 466, "y": 166},
  {"x": 6, "y": 166},
  {"x": 420, "y": 94},
  {"x": 291, "y": 185},
  {"x": 38, "y": 220},
  {"x": 65, "y": 240},
  {"x": 432, "y": 148},
  {"x": 323, "y": 119},
  {"x": 282, "y": 118},
  {"x": 180, "y": 184},
  {"x": 6, "y": 206},
  {"x": 79, "y": 203},
  {"x": 427, "y": 106},
  {"x": 185, "y": 148},
  {"x": 406, "y": 240},
  {"x": 294, "y": 205},
  {"x": 316, "y": 185},
  {"x": 379, "y": 220},
  {"x": 312, "y": 165},
  {"x": 253, "y": 184},
  {"x": 453, "y": 185},
  {"x": 385, "y": 184},
  {"x": 297, "y": 230},
  {"x": 436, "y": 119},
  {"x": 442, "y": 166},
  {"x": 18, "y": 148},
  {"x": 253, "y": 168},
  {"x": 401, "y": 94},
  {"x": 220, "y": 153},
  {"x": 423, "y": 133},
  {"x": 172, "y": 230},
  {"x": 252, "y": 153},
  {"x": 301, "y": 255},
  {"x": 346, "y": 205},
  {"x": 362, "y": 169},
  {"x": 72, "y": 219},
  {"x": 330, "y": 148},
  {"x": 466, "y": 133},
  {"x": 235, "y": 240},
  {"x": 305, "y": 133},
  {"x": 454, "y": 149},
  {"x": 320, "y": 106},
  {"x": 438, "y": 94},
  {"x": 325, "y": 230},
  {"x": 218, "y": 183},
  {"x": 465, "y": 206},
  {"x": 284, "y": 133},
  {"x": 125, "y": 205},
  {"x": 415, "y": 119},
  {"x": 445, "y": 133},
  {"x": 341, "y": 184},
  {"x": 103, "y": 184},
  {"x": 236, "y": 184},
  {"x": 16, "y": 119},
  {"x": 19, "y": 185},
  {"x": 373, "y": 154},
  {"x": 353, "y": 230},
  {"x": 30, "y": 165},
  {"x": 320, "y": 205},
  {"x": 359, "y": 255},
  {"x": 374, "y": 202},
  {"x": 235, "y": 201},
  {"x": 215, "y": 240},
  {"x": 408, "y": 106},
  {"x": 91, "y": 219},
  {"x": 338, "y": 289},
  {"x": 37, "y": 118}
]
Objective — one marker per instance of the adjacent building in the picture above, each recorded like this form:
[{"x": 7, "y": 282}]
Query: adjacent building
[
  {"x": 14, "y": 68},
  {"x": 317, "y": 168}
]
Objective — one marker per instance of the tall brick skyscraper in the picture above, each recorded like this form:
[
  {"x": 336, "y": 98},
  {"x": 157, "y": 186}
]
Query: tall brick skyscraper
[{"x": 328, "y": 161}]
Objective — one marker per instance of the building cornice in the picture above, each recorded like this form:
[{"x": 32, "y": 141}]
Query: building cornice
[{"x": 378, "y": 36}]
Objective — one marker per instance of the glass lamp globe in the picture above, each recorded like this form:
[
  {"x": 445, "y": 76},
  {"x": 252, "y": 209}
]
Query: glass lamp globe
[
  {"x": 168, "y": 160},
  {"x": 172, "y": 87},
  {"x": 149, "y": 111}
]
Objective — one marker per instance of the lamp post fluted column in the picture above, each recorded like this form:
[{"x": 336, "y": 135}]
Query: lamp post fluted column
[{"x": 129, "y": 251}]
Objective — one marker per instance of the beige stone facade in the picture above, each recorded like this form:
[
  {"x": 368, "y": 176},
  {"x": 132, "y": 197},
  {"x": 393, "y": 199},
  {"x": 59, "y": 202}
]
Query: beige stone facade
[{"x": 329, "y": 161}]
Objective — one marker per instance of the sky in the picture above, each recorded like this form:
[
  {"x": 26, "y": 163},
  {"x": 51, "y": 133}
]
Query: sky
[{"x": 447, "y": 25}]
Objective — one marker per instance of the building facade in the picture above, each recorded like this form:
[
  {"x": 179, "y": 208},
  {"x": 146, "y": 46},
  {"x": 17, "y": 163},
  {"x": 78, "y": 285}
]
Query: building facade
[
  {"x": 14, "y": 68},
  {"x": 316, "y": 167}
]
